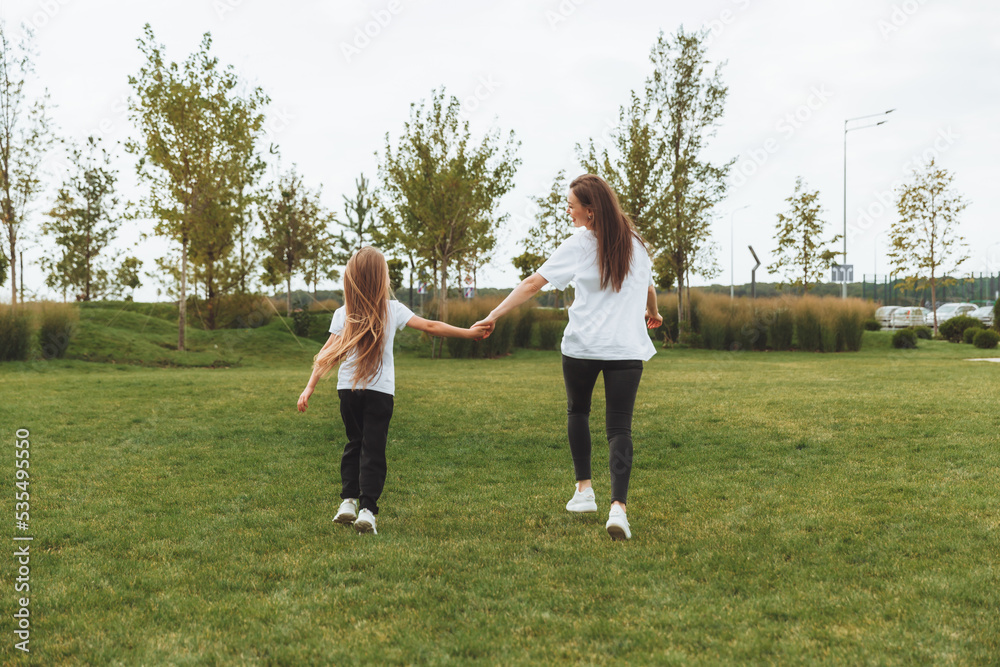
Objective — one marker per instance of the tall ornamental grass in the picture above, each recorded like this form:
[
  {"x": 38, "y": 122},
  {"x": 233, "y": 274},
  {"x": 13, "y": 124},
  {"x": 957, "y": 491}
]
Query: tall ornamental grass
[
  {"x": 808, "y": 323},
  {"x": 56, "y": 327},
  {"x": 15, "y": 333}
]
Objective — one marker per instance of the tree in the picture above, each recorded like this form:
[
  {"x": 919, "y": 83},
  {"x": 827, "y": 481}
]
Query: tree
[
  {"x": 3, "y": 269},
  {"x": 634, "y": 163},
  {"x": 801, "y": 255},
  {"x": 551, "y": 228},
  {"x": 83, "y": 222},
  {"x": 359, "y": 229},
  {"x": 197, "y": 131},
  {"x": 689, "y": 103},
  {"x": 439, "y": 188},
  {"x": 25, "y": 137},
  {"x": 127, "y": 276},
  {"x": 653, "y": 160},
  {"x": 924, "y": 242},
  {"x": 293, "y": 221}
]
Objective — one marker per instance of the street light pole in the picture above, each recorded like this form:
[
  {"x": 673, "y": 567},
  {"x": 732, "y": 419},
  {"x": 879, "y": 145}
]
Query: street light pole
[
  {"x": 843, "y": 292},
  {"x": 732, "y": 246}
]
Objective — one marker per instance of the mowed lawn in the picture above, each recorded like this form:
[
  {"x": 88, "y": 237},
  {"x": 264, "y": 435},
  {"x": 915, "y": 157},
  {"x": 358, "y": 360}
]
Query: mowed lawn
[{"x": 786, "y": 508}]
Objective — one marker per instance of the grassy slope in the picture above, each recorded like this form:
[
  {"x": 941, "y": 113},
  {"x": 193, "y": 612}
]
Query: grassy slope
[{"x": 786, "y": 507}]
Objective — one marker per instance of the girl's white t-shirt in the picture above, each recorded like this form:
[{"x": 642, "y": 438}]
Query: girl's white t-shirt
[
  {"x": 603, "y": 323},
  {"x": 385, "y": 378}
]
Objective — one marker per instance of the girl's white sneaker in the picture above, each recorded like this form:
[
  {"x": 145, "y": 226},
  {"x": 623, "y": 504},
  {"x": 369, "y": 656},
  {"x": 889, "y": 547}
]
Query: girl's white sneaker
[
  {"x": 348, "y": 511},
  {"x": 365, "y": 522},
  {"x": 582, "y": 501},
  {"x": 617, "y": 524}
]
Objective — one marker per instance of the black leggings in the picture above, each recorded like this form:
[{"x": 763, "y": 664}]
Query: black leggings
[
  {"x": 621, "y": 382},
  {"x": 366, "y": 416}
]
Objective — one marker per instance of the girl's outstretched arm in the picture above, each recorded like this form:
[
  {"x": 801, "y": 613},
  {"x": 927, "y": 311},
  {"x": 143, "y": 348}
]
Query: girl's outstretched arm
[
  {"x": 314, "y": 378},
  {"x": 436, "y": 328}
]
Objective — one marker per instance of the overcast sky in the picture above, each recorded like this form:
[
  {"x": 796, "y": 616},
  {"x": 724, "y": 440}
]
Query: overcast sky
[{"x": 556, "y": 73}]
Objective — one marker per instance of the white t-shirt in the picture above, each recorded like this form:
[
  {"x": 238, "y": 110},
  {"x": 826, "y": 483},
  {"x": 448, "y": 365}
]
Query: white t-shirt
[
  {"x": 385, "y": 378},
  {"x": 603, "y": 323}
]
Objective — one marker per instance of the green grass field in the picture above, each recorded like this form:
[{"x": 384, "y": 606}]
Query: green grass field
[{"x": 786, "y": 508}]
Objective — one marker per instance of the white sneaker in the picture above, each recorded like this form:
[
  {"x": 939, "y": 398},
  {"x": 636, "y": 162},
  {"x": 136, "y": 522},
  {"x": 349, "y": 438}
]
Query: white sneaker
[
  {"x": 348, "y": 511},
  {"x": 617, "y": 524},
  {"x": 582, "y": 501},
  {"x": 365, "y": 522}
]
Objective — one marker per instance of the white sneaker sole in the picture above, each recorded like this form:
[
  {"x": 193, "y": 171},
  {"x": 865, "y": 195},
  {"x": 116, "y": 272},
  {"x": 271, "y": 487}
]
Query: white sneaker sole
[
  {"x": 618, "y": 532},
  {"x": 345, "y": 518},
  {"x": 363, "y": 528},
  {"x": 581, "y": 508}
]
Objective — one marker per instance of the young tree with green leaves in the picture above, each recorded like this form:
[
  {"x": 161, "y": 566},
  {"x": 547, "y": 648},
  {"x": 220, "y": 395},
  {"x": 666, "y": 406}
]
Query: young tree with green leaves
[
  {"x": 127, "y": 276},
  {"x": 83, "y": 222},
  {"x": 633, "y": 161},
  {"x": 294, "y": 221},
  {"x": 689, "y": 103},
  {"x": 552, "y": 227},
  {"x": 801, "y": 253},
  {"x": 197, "y": 126},
  {"x": 25, "y": 137},
  {"x": 924, "y": 243},
  {"x": 359, "y": 227},
  {"x": 654, "y": 160},
  {"x": 440, "y": 187}
]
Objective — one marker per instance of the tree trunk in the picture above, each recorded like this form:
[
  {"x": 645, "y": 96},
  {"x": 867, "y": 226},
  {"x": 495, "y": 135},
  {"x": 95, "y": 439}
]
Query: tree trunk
[
  {"x": 182, "y": 305},
  {"x": 13, "y": 272},
  {"x": 934, "y": 302},
  {"x": 288, "y": 295},
  {"x": 443, "y": 296}
]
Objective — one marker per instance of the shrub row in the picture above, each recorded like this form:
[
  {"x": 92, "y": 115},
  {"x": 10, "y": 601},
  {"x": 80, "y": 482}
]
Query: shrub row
[
  {"x": 519, "y": 328},
  {"x": 827, "y": 324},
  {"x": 53, "y": 323}
]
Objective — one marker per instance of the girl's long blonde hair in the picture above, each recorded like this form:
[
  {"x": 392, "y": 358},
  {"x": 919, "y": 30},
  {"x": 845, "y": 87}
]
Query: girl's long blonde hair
[{"x": 366, "y": 299}]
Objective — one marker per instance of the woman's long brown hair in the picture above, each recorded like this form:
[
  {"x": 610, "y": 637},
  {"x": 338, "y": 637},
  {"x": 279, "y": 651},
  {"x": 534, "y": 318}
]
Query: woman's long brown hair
[
  {"x": 366, "y": 299},
  {"x": 614, "y": 230}
]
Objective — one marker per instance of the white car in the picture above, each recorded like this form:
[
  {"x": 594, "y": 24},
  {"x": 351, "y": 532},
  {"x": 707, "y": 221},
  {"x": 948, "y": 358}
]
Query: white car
[
  {"x": 908, "y": 316},
  {"x": 884, "y": 315},
  {"x": 949, "y": 310},
  {"x": 984, "y": 314}
]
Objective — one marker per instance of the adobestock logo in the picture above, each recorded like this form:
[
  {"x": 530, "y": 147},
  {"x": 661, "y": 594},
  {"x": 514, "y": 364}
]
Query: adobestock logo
[
  {"x": 47, "y": 10},
  {"x": 223, "y": 7},
  {"x": 726, "y": 17},
  {"x": 898, "y": 17},
  {"x": 370, "y": 30},
  {"x": 885, "y": 200},
  {"x": 786, "y": 127},
  {"x": 562, "y": 12},
  {"x": 487, "y": 85}
]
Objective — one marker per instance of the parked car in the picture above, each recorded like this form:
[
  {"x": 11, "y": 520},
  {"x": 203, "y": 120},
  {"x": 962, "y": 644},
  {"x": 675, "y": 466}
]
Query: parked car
[
  {"x": 984, "y": 314},
  {"x": 884, "y": 315},
  {"x": 908, "y": 316},
  {"x": 948, "y": 311}
]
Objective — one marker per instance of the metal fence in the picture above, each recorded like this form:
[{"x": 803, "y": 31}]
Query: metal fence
[{"x": 983, "y": 290}]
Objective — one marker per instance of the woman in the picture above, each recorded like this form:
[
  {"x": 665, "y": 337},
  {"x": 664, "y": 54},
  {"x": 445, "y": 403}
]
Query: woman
[{"x": 615, "y": 300}]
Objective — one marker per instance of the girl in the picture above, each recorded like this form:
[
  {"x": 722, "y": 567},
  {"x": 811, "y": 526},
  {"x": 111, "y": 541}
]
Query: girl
[
  {"x": 615, "y": 301},
  {"x": 361, "y": 336}
]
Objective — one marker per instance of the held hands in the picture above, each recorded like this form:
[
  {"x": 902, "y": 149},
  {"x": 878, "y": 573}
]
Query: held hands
[
  {"x": 653, "y": 320},
  {"x": 479, "y": 330},
  {"x": 485, "y": 327}
]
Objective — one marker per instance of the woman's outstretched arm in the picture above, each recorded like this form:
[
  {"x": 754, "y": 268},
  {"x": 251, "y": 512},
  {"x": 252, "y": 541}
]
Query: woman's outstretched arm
[{"x": 528, "y": 288}]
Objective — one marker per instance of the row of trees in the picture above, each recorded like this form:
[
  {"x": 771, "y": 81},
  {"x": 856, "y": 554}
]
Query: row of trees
[
  {"x": 924, "y": 241},
  {"x": 200, "y": 156}
]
